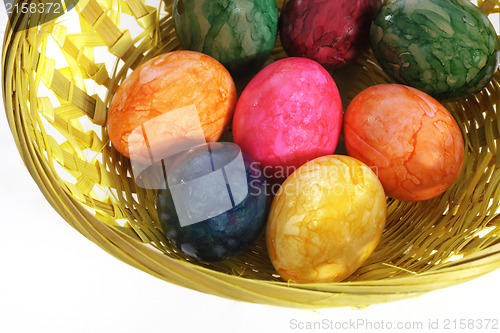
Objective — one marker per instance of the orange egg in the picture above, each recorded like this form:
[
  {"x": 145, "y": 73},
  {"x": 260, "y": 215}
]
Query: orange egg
[
  {"x": 411, "y": 140},
  {"x": 196, "y": 92}
]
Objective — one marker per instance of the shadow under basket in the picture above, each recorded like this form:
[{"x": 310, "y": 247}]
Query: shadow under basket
[{"x": 57, "y": 113}]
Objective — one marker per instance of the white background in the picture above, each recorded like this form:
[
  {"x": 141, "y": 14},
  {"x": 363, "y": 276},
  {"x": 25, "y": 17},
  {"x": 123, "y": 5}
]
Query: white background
[{"x": 52, "y": 279}]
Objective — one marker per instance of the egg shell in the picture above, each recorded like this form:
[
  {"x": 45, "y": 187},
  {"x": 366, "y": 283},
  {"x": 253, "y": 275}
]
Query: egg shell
[
  {"x": 330, "y": 32},
  {"x": 326, "y": 220},
  {"x": 170, "y": 82},
  {"x": 241, "y": 34},
  {"x": 446, "y": 48},
  {"x": 408, "y": 137},
  {"x": 288, "y": 114},
  {"x": 226, "y": 234}
]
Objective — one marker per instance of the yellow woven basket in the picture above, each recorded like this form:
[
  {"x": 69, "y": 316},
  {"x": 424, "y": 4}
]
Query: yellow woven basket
[{"x": 57, "y": 112}]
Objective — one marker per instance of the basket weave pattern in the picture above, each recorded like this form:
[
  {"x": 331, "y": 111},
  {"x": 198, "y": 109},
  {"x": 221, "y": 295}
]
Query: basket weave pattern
[{"x": 56, "y": 111}]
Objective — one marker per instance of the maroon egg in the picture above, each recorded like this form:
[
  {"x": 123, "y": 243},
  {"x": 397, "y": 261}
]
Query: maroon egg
[{"x": 330, "y": 32}]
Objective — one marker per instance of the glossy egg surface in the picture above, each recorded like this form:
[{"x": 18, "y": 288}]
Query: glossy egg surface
[
  {"x": 288, "y": 114},
  {"x": 241, "y": 34},
  {"x": 326, "y": 220},
  {"x": 215, "y": 204},
  {"x": 410, "y": 139},
  {"x": 330, "y": 32},
  {"x": 446, "y": 48},
  {"x": 175, "y": 81}
]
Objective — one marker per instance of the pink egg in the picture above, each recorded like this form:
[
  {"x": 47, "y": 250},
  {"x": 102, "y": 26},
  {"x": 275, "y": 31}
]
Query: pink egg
[{"x": 289, "y": 114}]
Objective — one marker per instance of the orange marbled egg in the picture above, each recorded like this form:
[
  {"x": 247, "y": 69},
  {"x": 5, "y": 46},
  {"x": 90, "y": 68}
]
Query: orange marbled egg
[
  {"x": 410, "y": 139},
  {"x": 197, "y": 87},
  {"x": 325, "y": 220}
]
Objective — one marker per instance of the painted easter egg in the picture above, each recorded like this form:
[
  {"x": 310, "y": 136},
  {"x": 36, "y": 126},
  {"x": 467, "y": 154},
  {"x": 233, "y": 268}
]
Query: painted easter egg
[
  {"x": 288, "y": 114},
  {"x": 215, "y": 204},
  {"x": 326, "y": 220},
  {"x": 446, "y": 48},
  {"x": 239, "y": 33},
  {"x": 170, "y": 96},
  {"x": 330, "y": 32},
  {"x": 409, "y": 138}
]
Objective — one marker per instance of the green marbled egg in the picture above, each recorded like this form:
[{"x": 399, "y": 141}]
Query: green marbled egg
[
  {"x": 446, "y": 48},
  {"x": 241, "y": 34}
]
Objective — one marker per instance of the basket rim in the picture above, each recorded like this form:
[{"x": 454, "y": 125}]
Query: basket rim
[{"x": 203, "y": 279}]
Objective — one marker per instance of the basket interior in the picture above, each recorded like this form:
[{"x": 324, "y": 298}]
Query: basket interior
[{"x": 59, "y": 79}]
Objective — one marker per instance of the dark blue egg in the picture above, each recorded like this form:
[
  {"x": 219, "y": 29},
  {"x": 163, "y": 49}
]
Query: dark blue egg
[{"x": 215, "y": 203}]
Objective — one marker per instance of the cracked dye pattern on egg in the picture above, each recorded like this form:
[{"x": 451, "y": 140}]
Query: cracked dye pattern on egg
[
  {"x": 446, "y": 48},
  {"x": 166, "y": 83},
  {"x": 289, "y": 113},
  {"x": 241, "y": 34},
  {"x": 329, "y": 32},
  {"x": 326, "y": 220},
  {"x": 409, "y": 138},
  {"x": 224, "y": 235}
]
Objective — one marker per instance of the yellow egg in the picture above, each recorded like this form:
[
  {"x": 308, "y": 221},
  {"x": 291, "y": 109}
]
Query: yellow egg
[{"x": 326, "y": 220}]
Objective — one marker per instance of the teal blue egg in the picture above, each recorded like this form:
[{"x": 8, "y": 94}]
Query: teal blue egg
[{"x": 215, "y": 204}]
